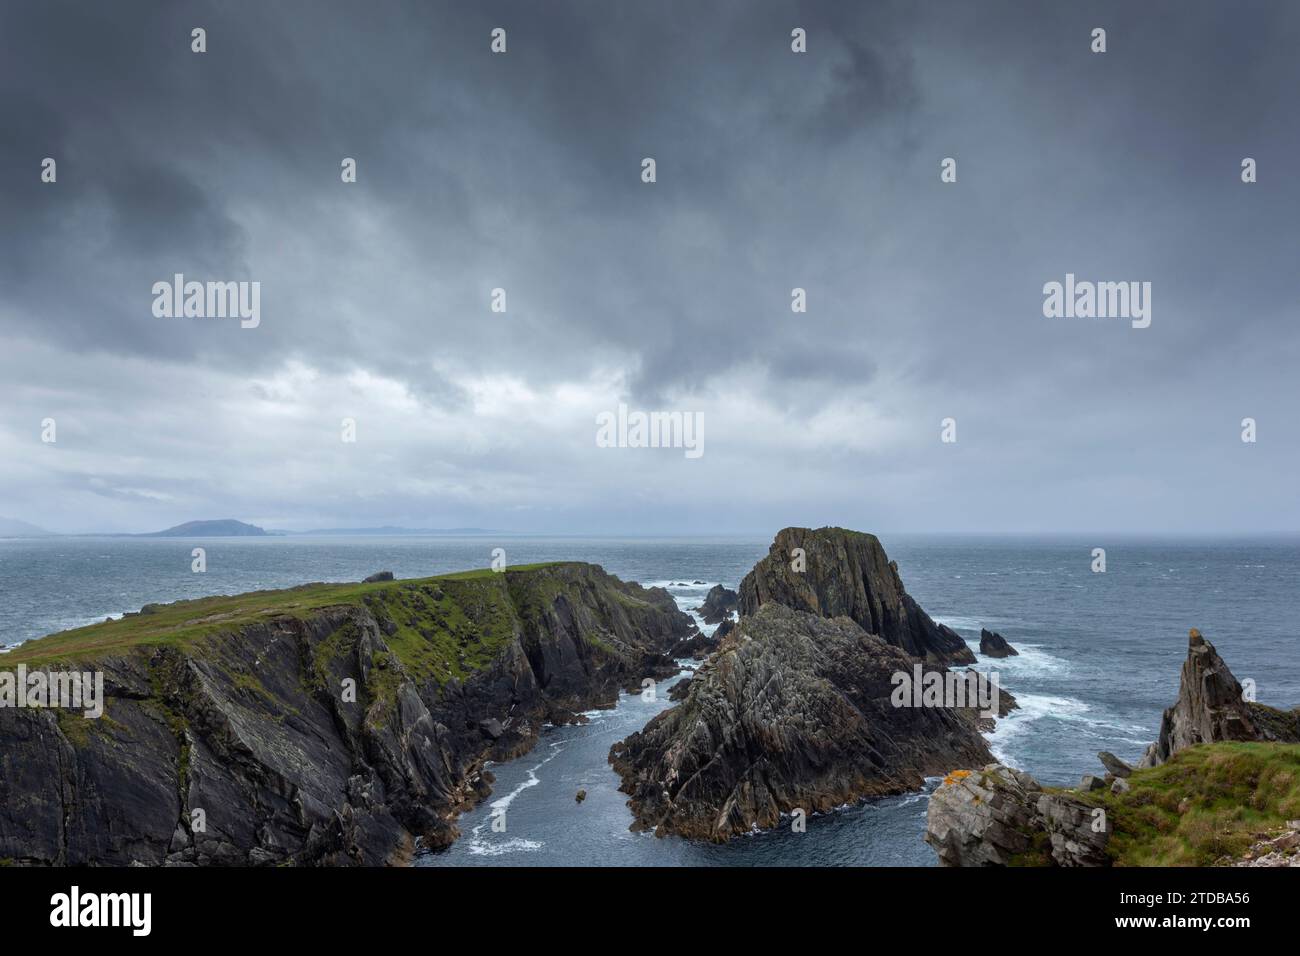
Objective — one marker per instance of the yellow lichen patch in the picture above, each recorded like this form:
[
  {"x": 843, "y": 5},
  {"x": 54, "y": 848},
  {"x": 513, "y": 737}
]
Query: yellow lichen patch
[{"x": 955, "y": 776}]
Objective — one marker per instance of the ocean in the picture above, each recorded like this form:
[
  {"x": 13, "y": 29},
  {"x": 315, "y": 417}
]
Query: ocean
[{"x": 1099, "y": 660}]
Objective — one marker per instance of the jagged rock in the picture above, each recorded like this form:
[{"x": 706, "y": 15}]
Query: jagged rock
[
  {"x": 1113, "y": 764},
  {"x": 377, "y": 577},
  {"x": 718, "y": 604},
  {"x": 999, "y": 816},
  {"x": 580, "y": 796},
  {"x": 723, "y": 629},
  {"x": 1120, "y": 785},
  {"x": 792, "y": 711},
  {"x": 993, "y": 644},
  {"x": 1089, "y": 782},
  {"x": 679, "y": 690},
  {"x": 248, "y": 723},
  {"x": 848, "y": 573},
  {"x": 1210, "y": 708},
  {"x": 698, "y": 646}
]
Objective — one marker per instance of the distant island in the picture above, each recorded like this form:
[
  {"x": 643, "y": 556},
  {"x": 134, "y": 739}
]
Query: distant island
[
  {"x": 222, "y": 528},
  {"x": 13, "y": 528}
]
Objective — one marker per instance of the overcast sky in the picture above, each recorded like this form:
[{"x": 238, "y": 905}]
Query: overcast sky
[{"x": 775, "y": 170}]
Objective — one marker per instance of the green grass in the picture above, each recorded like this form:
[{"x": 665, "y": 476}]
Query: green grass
[
  {"x": 1206, "y": 803},
  {"x": 455, "y": 632}
]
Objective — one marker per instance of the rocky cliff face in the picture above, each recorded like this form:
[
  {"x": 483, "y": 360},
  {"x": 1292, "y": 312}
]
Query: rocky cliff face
[
  {"x": 229, "y": 737},
  {"x": 1210, "y": 708},
  {"x": 999, "y": 816},
  {"x": 793, "y": 711},
  {"x": 832, "y": 572}
]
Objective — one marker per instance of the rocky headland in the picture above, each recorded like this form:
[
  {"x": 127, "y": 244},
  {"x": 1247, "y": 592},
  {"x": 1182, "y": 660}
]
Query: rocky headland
[
  {"x": 796, "y": 709},
  {"x": 327, "y": 724}
]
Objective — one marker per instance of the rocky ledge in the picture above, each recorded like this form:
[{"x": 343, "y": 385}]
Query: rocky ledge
[
  {"x": 328, "y": 724},
  {"x": 832, "y": 572}
]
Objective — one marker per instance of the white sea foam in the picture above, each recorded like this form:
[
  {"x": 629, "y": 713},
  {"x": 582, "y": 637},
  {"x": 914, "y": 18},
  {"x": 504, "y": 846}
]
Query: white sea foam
[{"x": 513, "y": 845}]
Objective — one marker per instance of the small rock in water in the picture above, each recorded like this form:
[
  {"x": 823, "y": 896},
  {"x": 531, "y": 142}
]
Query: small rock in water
[
  {"x": 378, "y": 576},
  {"x": 582, "y": 795}
]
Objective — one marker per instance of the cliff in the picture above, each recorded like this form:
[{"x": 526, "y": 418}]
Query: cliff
[
  {"x": 832, "y": 572},
  {"x": 793, "y": 711},
  {"x": 229, "y": 735}
]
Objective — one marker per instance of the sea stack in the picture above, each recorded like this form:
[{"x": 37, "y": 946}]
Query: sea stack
[
  {"x": 1211, "y": 707},
  {"x": 796, "y": 709},
  {"x": 831, "y": 572},
  {"x": 993, "y": 644}
]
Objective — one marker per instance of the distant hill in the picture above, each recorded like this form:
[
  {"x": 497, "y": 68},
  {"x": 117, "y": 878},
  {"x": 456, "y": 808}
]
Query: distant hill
[
  {"x": 391, "y": 529},
  {"x": 223, "y": 528},
  {"x": 13, "y": 528}
]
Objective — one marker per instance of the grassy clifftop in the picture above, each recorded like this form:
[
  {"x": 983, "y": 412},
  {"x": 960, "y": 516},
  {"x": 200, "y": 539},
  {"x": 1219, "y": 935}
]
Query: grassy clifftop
[
  {"x": 1207, "y": 803},
  {"x": 440, "y": 626}
]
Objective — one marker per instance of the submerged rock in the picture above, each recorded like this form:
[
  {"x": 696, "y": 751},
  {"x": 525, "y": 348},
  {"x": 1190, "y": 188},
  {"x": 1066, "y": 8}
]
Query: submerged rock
[
  {"x": 377, "y": 577},
  {"x": 993, "y": 644}
]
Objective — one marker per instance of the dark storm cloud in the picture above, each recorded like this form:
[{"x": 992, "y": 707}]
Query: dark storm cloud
[{"x": 775, "y": 171}]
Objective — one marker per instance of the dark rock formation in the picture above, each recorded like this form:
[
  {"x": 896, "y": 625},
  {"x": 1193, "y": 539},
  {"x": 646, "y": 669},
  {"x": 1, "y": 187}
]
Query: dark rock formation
[
  {"x": 580, "y": 796},
  {"x": 1113, "y": 764},
  {"x": 1210, "y": 708},
  {"x": 718, "y": 604},
  {"x": 679, "y": 690},
  {"x": 377, "y": 577},
  {"x": 999, "y": 816},
  {"x": 792, "y": 711},
  {"x": 250, "y": 722},
  {"x": 724, "y": 629},
  {"x": 698, "y": 646},
  {"x": 832, "y": 572},
  {"x": 993, "y": 644}
]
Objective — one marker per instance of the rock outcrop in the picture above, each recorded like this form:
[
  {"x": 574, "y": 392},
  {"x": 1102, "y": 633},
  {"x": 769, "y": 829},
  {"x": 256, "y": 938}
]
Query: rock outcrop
[
  {"x": 793, "y": 711},
  {"x": 999, "y": 816},
  {"x": 328, "y": 724},
  {"x": 718, "y": 604},
  {"x": 832, "y": 572},
  {"x": 993, "y": 644},
  {"x": 1210, "y": 708}
]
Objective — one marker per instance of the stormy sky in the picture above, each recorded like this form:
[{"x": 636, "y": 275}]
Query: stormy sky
[{"x": 775, "y": 170}]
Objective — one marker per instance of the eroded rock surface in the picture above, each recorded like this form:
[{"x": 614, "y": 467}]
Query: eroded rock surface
[{"x": 831, "y": 572}]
